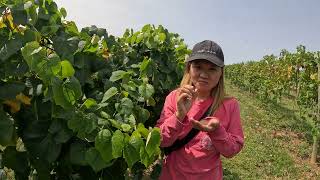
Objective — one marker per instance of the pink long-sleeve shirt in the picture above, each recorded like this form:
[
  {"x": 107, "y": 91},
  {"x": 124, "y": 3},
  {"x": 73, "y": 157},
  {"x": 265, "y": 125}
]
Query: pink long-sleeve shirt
[{"x": 199, "y": 159}]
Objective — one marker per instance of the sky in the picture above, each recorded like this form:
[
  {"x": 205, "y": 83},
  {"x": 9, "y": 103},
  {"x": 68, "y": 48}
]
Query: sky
[{"x": 246, "y": 30}]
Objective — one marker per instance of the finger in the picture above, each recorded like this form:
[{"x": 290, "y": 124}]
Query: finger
[
  {"x": 195, "y": 92},
  {"x": 189, "y": 88},
  {"x": 186, "y": 90},
  {"x": 212, "y": 119},
  {"x": 205, "y": 126},
  {"x": 212, "y": 125},
  {"x": 196, "y": 124},
  {"x": 183, "y": 96},
  {"x": 182, "y": 103},
  {"x": 200, "y": 126}
]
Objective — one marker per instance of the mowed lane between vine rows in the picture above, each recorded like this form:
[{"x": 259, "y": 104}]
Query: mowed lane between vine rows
[{"x": 277, "y": 142}]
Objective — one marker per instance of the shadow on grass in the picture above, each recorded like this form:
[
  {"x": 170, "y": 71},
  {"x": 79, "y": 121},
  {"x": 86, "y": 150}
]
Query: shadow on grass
[
  {"x": 292, "y": 120},
  {"x": 228, "y": 175}
]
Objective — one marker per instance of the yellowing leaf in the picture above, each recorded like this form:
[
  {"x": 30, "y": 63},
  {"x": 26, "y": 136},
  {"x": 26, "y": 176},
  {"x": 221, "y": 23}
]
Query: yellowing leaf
[
  {"x": 95, "y": 39},
  {"x": 105, "y": 53},
  {"x": 24, "y": 99},
  {"x": 313, "y": 76},
  {"x": 21, "y": 29},
  {"x": 2, "y": 24},
  {"x": 290, "y": 69},
  {"x": 13, "y": 104},
  {"x": 10, "y": 20}
]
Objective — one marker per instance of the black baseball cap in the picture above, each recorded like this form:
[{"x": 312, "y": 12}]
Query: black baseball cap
[{"x": 208, "y": 50}]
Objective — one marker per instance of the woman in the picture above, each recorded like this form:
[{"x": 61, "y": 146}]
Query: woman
[{"x": 201, "y": 91}]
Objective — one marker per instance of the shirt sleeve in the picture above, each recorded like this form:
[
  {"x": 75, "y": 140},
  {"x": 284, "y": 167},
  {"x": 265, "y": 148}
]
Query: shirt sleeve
[
  {"x": 169, "y": 124},
  {"x": 229, "y": 141}
]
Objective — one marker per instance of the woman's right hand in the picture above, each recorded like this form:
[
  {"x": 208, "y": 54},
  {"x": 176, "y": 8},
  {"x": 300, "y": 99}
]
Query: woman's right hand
[{"x": 186, "y": 95}]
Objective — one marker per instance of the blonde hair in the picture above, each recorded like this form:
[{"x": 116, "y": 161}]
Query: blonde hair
[{"x": 218, "y": 93}]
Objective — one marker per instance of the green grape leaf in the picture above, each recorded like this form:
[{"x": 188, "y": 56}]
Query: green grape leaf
[
  {"x": 7, "y": 130},
  {"x": 162, "y": 37},
  {"x": 78, "y": 153},
  {"x": 95, "y": 160},
  {"x": 144, "y": 65},
  {"x": 103, "y": 144},
  {"x": 143, "y": 115},
  {"x": 117, "y": 143},
  {"x": 49, "y": 30},
  {"x": 117, "y": 75},
  {"x": 63, "y": 12},
  {"x": 145, "y": 159},
  {"x": 33, "y": 54},
  {"x": 72, "y": 90},
  {"x": 126, "y": 127},
  {"x": 89, "y": 103},
  {"x": 12, "y": 47},
  {"x": 146, "y": 90},
  {"x": 142, "y": 130},
  {"x": 60, "y": 131},
  {"x": 58, "y": 94},
  {"x": 130, "y": 154},
  {"x": 66, "y": 69},
  {"x": 153, "y": 141},
  {"x": 83, "y": 124},
  {"x": 109, "y": 93},
  {"x": 10, "y": 90},
  {"x": 126, "y": 106}
]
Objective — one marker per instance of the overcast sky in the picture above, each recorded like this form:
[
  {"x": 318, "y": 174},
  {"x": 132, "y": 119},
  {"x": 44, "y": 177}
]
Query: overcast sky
[{"x": 246, "y": 30}]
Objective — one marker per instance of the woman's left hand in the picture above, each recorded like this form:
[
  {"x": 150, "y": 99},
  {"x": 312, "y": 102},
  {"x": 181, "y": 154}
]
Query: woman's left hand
[{"x": 208, "y": 124}]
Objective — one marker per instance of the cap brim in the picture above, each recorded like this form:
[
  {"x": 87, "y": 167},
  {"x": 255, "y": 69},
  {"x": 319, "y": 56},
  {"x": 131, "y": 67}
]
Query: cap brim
[{"x": 213, "y": 59}]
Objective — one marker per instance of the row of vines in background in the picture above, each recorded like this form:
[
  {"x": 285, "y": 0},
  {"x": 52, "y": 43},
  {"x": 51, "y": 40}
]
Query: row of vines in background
[
  {"x": 80, "y": 104},
  {"x": 294, "y": 75}
]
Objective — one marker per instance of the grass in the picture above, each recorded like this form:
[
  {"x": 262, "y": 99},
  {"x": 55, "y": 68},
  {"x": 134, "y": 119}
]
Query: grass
[{"x": 277, "y": 141}]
